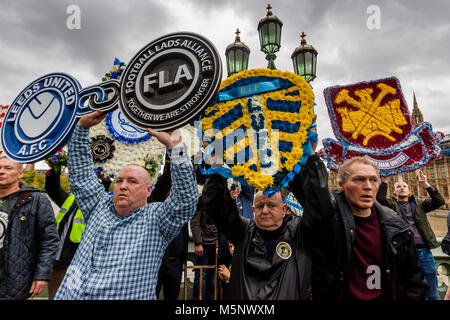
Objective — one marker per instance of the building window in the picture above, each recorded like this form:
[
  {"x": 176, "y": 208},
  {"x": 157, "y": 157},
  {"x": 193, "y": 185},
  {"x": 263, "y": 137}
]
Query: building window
[
  {"x": 442, "y": 168},
  {"x": 445, "y": 190},
  {"x": 431, "y": 172}
]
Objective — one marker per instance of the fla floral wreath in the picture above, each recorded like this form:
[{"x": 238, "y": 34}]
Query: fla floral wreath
[{"x": 126, "y": 144}]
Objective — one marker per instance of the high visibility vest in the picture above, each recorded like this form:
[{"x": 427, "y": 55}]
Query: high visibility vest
[{"x": 78, "y": 223}]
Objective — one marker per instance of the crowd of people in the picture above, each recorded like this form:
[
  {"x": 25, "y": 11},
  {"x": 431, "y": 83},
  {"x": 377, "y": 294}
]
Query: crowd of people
[{"x": 352, "y": 243}]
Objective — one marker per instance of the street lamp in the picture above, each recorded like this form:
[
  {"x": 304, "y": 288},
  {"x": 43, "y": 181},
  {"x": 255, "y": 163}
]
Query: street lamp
[
  {"x": 237, "y": 56},
  {"x": 269, "y": 29},
  {"x": 304, "y": 59}
]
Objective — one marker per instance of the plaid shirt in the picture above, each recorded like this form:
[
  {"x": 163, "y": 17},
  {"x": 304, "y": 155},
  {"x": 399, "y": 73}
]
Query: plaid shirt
[{"x": 119, "y": 257}]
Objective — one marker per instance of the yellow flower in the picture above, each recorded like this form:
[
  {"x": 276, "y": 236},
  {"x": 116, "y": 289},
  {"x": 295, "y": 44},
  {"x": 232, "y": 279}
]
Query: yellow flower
[{"x": 297, "y": 139}]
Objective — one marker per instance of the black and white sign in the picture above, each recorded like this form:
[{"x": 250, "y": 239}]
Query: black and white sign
[
  {"x": 165, "y": 86},
  {"x": 170, "y": 81}
]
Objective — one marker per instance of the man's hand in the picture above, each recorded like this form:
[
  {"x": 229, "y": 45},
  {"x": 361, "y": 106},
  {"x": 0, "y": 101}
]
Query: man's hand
[
  {"x": 170, "y": 139},
  {"x": 37, "y": 287},
  {"x": 92, "y": 119},
  {"x": 199, "y": 250},
  {"x": 422, "y": 179},
  {"x": 224, "y": 273}
]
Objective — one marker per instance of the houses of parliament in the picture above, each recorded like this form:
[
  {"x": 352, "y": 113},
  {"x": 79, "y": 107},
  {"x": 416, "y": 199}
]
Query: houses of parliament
[{"x": 437, "y": 171}]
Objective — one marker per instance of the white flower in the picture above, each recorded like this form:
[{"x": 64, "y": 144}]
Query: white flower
[{"x": 127, "y": 153}]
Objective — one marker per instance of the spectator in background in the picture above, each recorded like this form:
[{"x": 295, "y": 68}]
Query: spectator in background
[
  {"x": 28, "y": 236},
  {"x": 414, "y": 211},
  {"x": 243, "y": 198},
  {"x": 204, "y": 234},
  {"x": 225, "y": 275}
]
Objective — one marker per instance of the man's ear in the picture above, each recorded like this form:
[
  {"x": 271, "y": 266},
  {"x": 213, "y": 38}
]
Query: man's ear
[{"x": 149, "y": 190}]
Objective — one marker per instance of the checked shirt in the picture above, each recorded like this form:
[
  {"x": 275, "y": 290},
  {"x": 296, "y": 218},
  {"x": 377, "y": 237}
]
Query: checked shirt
[{"x": 119, "y": 257}]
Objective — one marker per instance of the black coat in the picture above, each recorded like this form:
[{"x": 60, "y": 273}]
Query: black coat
[
  {"x": 257, "y": 272},
  {"x": 30, "y": 244},
  {"x": 328, "y": 228},
  {"x": 59, "y": 196}
]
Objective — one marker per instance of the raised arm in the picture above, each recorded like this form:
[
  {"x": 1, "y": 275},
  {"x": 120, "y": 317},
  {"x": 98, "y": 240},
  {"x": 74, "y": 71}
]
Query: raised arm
[
  {"x": 436, "y": 199},
  {"x": 382, "y": 195},
  {"x": 83, "y": 181},
  {"x": 310, "y": 187},
  {"x": 218, "y": 204},
  {"x": 162, "y": 186},
  {"x": 179, "y": 207},
  {"x": 53, "y": 187}
]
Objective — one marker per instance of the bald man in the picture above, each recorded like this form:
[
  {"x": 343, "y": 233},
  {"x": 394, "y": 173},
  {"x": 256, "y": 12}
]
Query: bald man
[
  {"x": 268, "y": 262},
  {"x": 125, "y": 238}
]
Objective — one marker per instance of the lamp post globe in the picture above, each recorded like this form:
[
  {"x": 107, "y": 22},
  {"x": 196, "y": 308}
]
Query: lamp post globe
[
  {"x": 237, "y": 54},
  {"x": 269, "y": 30},
  {"x": 304, "y": 59}
]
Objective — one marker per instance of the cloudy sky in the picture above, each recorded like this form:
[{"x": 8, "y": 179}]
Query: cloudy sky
[{"x": 410, "y": 40}]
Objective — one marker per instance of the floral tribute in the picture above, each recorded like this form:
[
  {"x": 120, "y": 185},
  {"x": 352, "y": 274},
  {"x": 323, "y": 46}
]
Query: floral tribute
[
  {"x": 2, "y": 116},
  {"x": 371, "y": 119},
  {"x": 126, "y": 144},
  {"x": 259, "y": 122},
  {"x": 58, "y": 161}
]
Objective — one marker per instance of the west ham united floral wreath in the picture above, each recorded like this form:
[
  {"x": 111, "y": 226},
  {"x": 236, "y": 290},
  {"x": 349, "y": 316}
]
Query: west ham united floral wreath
[
  {"x": 116, "y": 142},
  {"x": 259, "y": 123},
  {"x": 371, "y": 119}
]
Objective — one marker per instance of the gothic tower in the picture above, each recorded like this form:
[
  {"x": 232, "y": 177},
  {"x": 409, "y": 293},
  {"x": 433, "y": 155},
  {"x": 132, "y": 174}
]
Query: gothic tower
[{"x": 417, "y": 115}]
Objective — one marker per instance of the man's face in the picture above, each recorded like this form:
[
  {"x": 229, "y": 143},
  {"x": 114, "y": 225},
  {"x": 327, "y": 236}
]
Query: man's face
[
  {"x": 361, "y": 186},
  {"x": 10, "y": 173},
  {"x": 131, "y": 189},
  {"x": 401, "y": 190},
  {"x": 234, "y": 190},
  {"x": 269, "y": 212}
]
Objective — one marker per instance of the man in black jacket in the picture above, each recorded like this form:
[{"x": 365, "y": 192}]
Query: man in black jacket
[
  {"x": 269, "y": 261},
  {"x": 360, "y": 250},
  {"x": 28, "y": 237}
]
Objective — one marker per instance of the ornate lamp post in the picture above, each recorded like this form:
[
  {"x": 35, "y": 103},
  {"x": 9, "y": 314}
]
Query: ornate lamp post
[
  {"x": 237, "y": 55},
  {"x": 304, "y": 59},
  {"x": 269, "y": 29}
]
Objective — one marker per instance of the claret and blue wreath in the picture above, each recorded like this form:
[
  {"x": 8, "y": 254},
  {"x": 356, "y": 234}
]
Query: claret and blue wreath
[{"x": 371, "y": 119}]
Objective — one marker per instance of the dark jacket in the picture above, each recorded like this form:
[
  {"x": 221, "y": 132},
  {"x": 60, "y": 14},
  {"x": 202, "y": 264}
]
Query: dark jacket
[
  {"x": 328, "y": 228},
  {"x": 59, "y": 195},
  {"x": 204, "y": 231},
  {"x": 258, "y": 272},
  {"x": 244, "y": 201},
  {"x": 419, "y": 208},
  {"x": 30, "y": 244}
]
